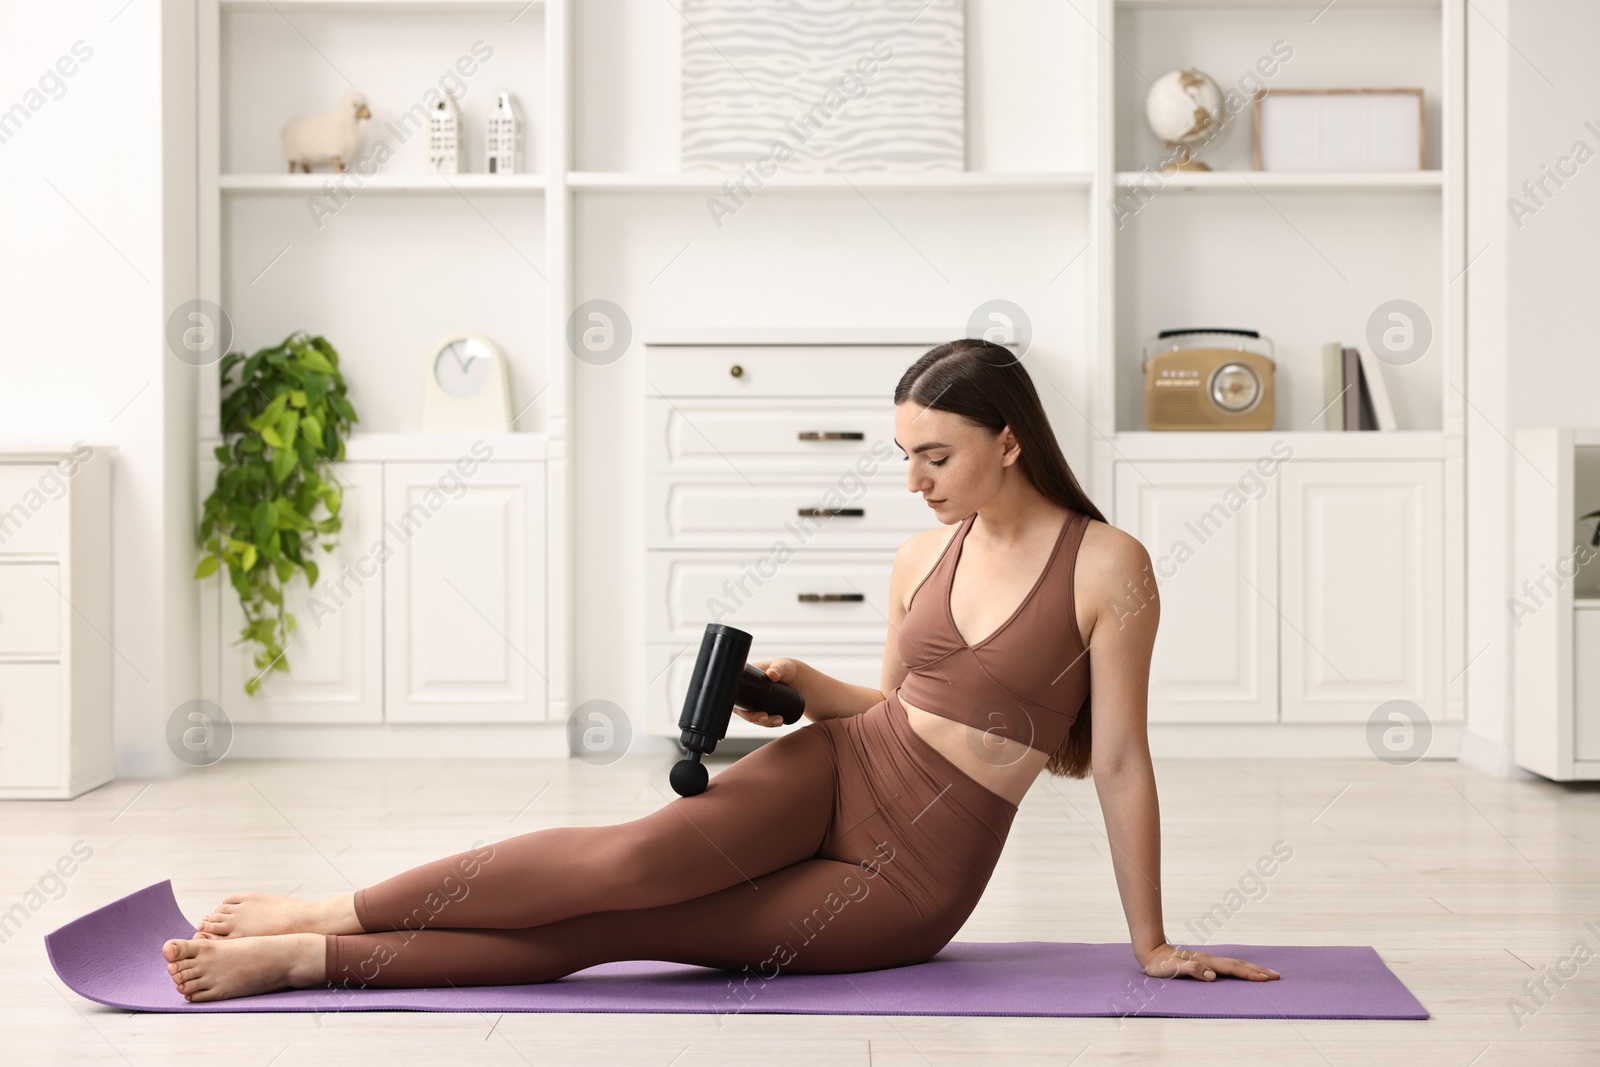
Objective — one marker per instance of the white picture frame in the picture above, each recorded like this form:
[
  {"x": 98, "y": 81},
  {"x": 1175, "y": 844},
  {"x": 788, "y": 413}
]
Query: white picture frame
[{"x": 1338, "y": 130}]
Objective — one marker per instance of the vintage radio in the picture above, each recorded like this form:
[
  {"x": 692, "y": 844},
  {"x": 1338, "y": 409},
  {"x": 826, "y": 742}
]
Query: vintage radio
[{"x": 1208, "y": 380}]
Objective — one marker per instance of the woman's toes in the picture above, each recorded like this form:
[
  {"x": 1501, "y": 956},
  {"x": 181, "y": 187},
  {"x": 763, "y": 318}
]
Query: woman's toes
[{"x": 216, "y": 924}]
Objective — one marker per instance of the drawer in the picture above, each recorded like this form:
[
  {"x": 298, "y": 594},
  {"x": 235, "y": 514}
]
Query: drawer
[
  {"x": 1586, "y": 683},
  {"x": 670, "y": 666},
  {"x": 33, "y": 508},
  {"x": 783, "y": 597},
  {"x": 30, "y": 724},
  {"x": 730, "y": 511},
  {"x": 779, "y": 370},
  {"x": 728, "y": 436},
  {"x": 30, "y": 608}
]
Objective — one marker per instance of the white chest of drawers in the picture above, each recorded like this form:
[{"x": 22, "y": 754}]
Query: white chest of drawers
[
  {"x": 55, "y": 621},
  {"x": 775, "y": 499}
]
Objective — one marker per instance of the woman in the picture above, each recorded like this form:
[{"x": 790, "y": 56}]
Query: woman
[{"x": 859, "y": 842}]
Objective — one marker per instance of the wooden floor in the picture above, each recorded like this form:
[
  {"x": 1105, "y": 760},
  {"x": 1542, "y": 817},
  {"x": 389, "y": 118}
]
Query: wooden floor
[{"x": 1467, "y": 886}]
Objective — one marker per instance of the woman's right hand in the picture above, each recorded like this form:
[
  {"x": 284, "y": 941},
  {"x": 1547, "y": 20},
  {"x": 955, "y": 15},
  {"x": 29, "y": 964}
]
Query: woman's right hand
[{"x": 786, "y": 671}]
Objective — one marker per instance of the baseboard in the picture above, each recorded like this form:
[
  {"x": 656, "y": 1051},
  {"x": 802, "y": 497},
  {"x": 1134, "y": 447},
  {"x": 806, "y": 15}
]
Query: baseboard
[
  {"x": 423, "y": 741},
  {"x": 1283, "y": 740},
  {"x": 1490, "y": 757},
  {"x": 145, "y": 763}
]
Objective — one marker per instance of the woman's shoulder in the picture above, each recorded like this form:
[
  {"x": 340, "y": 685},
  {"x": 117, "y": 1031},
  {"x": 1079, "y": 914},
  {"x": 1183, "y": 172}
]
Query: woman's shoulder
[
  {"x": 1111, "y": 553},
  {"x": 1113, "y": 567}
]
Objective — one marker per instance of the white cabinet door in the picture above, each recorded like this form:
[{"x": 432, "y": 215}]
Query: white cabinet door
[
  {"x": 335, "y": 652},
  {"x": 30, "y": 608},
  {"x": 464, "y": 593},
  {"x": 1363, "y": 606},
  {"x": 1585, "y": 683},
  {"x": 1210, "y": 530},
  {"x": 30, "y": 725}
]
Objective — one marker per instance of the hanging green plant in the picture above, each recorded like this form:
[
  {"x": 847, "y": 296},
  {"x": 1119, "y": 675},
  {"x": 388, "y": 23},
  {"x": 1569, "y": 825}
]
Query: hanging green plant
[{"x": 284, "y": 424}]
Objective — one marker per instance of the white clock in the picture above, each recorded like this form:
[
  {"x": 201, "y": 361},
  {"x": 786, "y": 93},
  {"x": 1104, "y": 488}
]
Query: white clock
[{"x": 466, "y": 389}]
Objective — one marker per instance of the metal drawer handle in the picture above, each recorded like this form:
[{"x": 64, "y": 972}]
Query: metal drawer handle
[
  {"x": 811, "y": 598},
  {"x": 824, "y": 513},
  {"x": 832, "y": 435}
]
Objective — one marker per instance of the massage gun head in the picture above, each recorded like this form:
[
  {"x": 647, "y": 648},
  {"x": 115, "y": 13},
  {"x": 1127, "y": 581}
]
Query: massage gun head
[{"x": 689, "y": 777}]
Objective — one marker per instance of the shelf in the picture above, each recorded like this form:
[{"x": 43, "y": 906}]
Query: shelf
[
  {"x": 623, "y": 181},
  {"x": 394, "y": 183},
  {"x": 1421, "y": 180},
  {"x": 33, "y": 451},
  {"x": 1211, "y": 5},
  {"x": 430, "y": 447},
  {"x": 808, "y": 336},
  {"x": 1249, "y": 444},
  {"x": 381, "y": 6}
]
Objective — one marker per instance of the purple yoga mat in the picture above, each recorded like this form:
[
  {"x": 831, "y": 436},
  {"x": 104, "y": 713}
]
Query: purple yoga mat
[{"x": 113, "y": 955}]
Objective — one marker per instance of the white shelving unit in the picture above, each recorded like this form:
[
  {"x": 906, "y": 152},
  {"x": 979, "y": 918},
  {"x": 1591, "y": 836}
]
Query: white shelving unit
[
  {"x": 1556, "y": 706},
  {"x": 1305, "y": 258},
  {"x": 386, "y": 260},
  {"x": 1054, "y": 133},
  {"x": 55, "y": 620}
]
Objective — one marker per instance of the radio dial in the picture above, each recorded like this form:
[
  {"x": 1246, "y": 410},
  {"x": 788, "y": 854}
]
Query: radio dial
[{"x": 1235, "y": 387}]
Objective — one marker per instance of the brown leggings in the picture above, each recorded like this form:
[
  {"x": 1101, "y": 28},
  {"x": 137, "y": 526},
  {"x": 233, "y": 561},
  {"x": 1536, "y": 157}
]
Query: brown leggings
[{"x": 846, "y": 845}]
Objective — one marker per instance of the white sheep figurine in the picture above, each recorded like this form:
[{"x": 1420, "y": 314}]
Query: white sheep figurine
[{"x": 333, "y": 137}]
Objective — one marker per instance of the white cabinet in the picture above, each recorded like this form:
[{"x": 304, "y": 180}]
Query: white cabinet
[
  {"x": 1555, "y": 603},
  {"x": 1586, "y": 683},
  {"x": 335, "y": 654},
  {"x": 430, "y": 609},
  {"x": 1215, "y": 551},
  {"x": 464, "y": 595},
  {"x": 1310, "y": 594},
  {"x": 31, "y": 729},
  {"x": 775, "y": 500},
  {"x": 55, "y": 622},
  {"x": 1363, "y": 593}
]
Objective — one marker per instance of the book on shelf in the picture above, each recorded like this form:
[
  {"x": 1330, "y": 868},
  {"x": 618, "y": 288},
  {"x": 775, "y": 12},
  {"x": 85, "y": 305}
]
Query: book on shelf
[
  {"x": 1376, "y": 391},
  {"x": 1354, "y": 389},
  {"x": 1333, "y": 385}
]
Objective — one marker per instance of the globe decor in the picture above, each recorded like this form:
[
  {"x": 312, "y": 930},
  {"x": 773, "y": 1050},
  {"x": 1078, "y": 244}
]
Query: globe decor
[{"x": 1184, "y": 109}]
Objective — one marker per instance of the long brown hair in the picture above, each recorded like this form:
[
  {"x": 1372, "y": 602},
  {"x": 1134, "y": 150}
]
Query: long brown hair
[{"x": 985, "y": 384}]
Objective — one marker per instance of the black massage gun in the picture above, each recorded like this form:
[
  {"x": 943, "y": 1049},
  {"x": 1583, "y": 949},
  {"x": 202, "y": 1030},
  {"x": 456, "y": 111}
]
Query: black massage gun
[{"x": 723, "y": 678}]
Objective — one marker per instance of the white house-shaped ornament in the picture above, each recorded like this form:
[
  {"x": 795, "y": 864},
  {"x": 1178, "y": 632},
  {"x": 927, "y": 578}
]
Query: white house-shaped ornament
[
  {"x": 503, "y": 141},
  {"x": 444, "y": 137}
]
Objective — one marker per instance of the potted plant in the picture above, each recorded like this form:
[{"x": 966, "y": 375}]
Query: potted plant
[{"x": 284, "y": 423}]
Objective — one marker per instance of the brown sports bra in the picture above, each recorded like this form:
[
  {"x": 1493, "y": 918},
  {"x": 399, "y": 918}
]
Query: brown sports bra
[{"x": 1027, "y": 681}]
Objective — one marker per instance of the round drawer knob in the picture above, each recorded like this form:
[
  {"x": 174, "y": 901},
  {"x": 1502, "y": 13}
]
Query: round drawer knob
[{"x": 736, "y": 370}]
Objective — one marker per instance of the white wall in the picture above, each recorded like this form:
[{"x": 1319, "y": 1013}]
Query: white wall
[
  {"x": 98, "y": 239},
  {"x": 1532, "y": 86}
]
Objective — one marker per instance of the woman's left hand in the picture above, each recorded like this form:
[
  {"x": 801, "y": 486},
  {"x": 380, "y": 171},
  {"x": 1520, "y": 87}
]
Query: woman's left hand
[{"x": 1169, "y": 962}]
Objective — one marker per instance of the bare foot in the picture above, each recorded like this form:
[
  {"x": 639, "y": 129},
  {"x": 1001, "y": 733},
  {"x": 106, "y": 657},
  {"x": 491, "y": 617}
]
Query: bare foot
[
  {"x": 263, "y": 914},
  {"x": 214, "y": 969}
]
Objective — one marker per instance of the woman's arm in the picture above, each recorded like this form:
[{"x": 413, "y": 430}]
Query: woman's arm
[
  {"x": 1133, "y": 826},
  {"x": 1121, "y": 584},
  {"x": 830, "y": 698}
]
